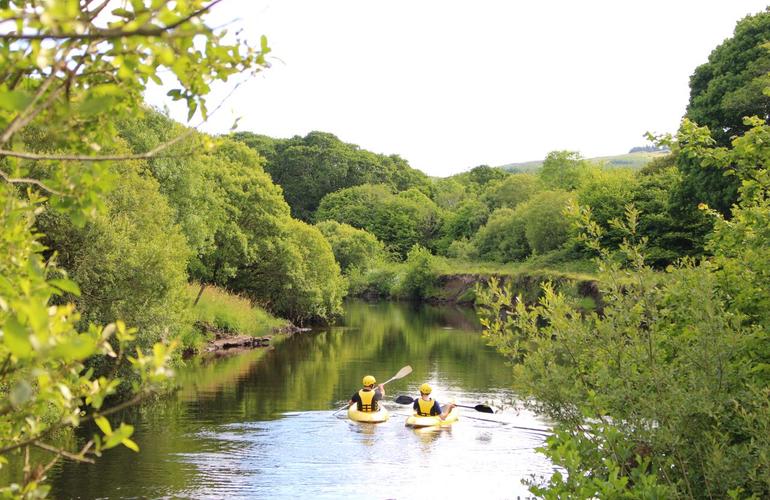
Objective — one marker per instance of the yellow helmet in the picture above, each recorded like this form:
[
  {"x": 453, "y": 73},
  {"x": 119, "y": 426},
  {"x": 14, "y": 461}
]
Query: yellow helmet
[
  {"x": 425, "y": 389},
  {"x": 369, "y": 380}
]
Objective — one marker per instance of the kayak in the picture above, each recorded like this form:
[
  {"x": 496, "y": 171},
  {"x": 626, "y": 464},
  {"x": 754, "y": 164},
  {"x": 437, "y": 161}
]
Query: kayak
[
  {"x": 373, "y": 417},
  {"x": 417, "y": 421}
]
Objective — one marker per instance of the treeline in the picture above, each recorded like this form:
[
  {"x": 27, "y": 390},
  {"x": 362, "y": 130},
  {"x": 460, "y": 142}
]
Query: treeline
[
  {"x": 664, "y": 394},
  {"x": 205, "y": 211}
]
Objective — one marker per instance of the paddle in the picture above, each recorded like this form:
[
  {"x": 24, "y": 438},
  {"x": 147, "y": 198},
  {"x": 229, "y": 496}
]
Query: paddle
[
  {"x": 403, "y": 372},
  {"x": 405, "y": 400}
]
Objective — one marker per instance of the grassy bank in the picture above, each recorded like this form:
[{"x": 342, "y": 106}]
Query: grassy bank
[
  {"x": 437, "y": 279},
  {"x": 227, "y": 313}
]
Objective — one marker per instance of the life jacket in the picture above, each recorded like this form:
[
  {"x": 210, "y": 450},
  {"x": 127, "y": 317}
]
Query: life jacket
[
  {"x": 367, "y": 403},
  {"x": 424, "y": 407}
]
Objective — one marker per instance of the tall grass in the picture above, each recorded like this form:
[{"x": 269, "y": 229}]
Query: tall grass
[{"x": 230, "y": 313}]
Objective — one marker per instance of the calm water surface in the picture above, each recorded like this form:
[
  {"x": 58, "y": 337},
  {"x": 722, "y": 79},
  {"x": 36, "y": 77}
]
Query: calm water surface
[{"x": 262, "y": 424}]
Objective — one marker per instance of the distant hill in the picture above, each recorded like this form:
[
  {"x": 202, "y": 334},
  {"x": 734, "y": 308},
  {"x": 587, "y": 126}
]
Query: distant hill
[{"x": 629, "y": 160}]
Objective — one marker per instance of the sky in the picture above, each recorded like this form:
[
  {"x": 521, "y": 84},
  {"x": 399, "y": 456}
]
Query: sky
[{"x": 450, "y": 85}]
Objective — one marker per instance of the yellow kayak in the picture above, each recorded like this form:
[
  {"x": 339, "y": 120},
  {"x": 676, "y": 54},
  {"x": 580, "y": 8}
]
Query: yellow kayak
[
  {"x": 417, "y": 421},
  {"x": 373, "y": 417}
]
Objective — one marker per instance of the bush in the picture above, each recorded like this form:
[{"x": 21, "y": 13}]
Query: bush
[
  {"x": 353, "y": 248},
  {"x": 420, "y": 273}
]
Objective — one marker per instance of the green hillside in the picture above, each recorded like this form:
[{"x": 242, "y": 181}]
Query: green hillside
[{"x": 630, "y": 160}]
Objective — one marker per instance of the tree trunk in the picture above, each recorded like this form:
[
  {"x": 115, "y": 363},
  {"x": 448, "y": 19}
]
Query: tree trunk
[{"x": 203, "y": 287}]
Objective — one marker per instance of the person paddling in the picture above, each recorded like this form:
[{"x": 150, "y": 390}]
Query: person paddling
[
  {"x": 367, "y": 399},
  {"x": 426, "y": 406}
]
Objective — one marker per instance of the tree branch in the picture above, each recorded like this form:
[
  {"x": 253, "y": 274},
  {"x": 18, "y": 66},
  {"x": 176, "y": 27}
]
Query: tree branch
[
  {"x": 153, "y": 153},
  {"x": 78, "y": 458},
  {"x": 27, "y": 180},
  {"x": 108, "y": 34}
]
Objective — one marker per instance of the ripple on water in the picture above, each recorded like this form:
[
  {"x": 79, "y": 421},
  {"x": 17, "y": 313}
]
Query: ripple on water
[{"x": 316, "y": 452}]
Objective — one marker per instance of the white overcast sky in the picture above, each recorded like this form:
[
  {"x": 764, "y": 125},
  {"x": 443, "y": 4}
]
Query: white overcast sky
[{"x": 449, "y": 85}]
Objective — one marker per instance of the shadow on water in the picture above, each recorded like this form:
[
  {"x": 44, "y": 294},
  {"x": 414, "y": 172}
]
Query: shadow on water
[{"x": 260, "y": 424}]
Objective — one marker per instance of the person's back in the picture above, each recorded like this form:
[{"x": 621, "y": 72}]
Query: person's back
[
  {"x": 368, "y": 398},
  {"x": 426, "y": 406}
]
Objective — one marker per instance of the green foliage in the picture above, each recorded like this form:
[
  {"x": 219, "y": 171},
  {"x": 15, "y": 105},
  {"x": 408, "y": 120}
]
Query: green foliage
[
  {"x": 61, "y": 66},
  {"x": 511, "y": 191},
  {"x": 665, "y": 392},
  {"x": 672, "y": 231},
  {"x": 353, "y": 248},
  {"x": 503, "y": 238},
  {"x": 731, "y": 84},
  {"x": 294, "y": 274},
  {"x": 463, "y": 222},
  {"x": 230, "y": 312},
  {"x": 308, "y": 168},
  {"x": 607, "y": 192},
  {"x": 398, "y": 220},
  {"x": 43, "y": 380},
  {"x": 129, "y": 262},
  {"x": 545, "y": 224},
  {"x": 420, "y": 273},
  {"x": 724, "y": 90},
  {"x": 563, "y": 170}
]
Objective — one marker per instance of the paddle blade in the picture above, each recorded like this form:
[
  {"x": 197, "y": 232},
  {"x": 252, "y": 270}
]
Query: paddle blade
[
  {"x": 404, "y": 400},
  {"x": 483, "y": 409},
  {"x": 403, "y": 372}
]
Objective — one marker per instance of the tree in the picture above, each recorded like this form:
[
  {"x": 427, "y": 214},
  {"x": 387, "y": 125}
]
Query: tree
[
  {"x": 503, "y": 238},
  {"x": 398, "y": 220},
  {"x": 353, "y": 248},
  {"x": 663, "y": 394},
  {"x": 545, "y": 225},
  {"x": 510, "y": 191},
  {"x": 61, "y": 65},
  {"x": 563, "y": 170},
  {"x": 294, "y": 274},
  {"x": 724, "y": 90},
  {"x": 310, "y": 167}
]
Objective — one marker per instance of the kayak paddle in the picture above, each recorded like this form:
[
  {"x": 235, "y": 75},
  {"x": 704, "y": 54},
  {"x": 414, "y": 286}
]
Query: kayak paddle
[{"x": 405, "y": 400}]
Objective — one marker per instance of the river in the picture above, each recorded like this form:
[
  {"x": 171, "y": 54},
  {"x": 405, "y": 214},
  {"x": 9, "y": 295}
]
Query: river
[{"x": 262, "y": 424}]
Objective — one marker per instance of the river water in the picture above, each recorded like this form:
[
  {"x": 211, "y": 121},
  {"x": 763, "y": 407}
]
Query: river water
[{"x": 262, "y": 424}]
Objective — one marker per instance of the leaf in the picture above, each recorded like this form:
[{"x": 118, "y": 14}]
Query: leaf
[
  {"x": 66, "y": 285},
  {"x": 20, "y": 393},
  {"x": 130, "y": 444},
  {"x": 14, "y": 100},
  {"x": 16, "y": 338},
  {"x": 104, "y": 425}
]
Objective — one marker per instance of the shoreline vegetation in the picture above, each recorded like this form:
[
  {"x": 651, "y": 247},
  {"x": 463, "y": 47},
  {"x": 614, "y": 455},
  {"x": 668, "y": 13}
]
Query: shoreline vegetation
[{"x": 645, "y": 303}]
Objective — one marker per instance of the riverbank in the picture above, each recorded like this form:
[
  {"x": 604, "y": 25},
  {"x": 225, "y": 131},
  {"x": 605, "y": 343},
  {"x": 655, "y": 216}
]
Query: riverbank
[
  {"x": 225, "y": 323},
  {"x": 441, "y": 280}
]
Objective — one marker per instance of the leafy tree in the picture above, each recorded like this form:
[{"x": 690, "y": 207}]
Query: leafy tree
[
  {"x": 130, "y": 262},
  {"x": 724, "y": 90},
  {"x": 398, "y": 220},
  {"x": 61, "y": 65},
  {"x": 353, "y": 248},
  {"x": 448, "y": 192},
  {"x": 294, "y": 274},
  {"x": 545, "y": 225},
  {"x": 731, "y": 84},
  {"x": 607, "y": 192},
  {"x": 503, "y": 238},
  {"x": 310, "y": 167},
  {"x": 420, "y": 274},
  {"x": 664, "y": 393},
  {"x": 463, "y": 222},
  {"x": 563, "y": 170},
  {"x": 510, "y": 191}
]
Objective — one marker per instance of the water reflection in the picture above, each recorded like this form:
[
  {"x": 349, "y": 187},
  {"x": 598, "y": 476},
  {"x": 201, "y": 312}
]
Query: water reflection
[{"x": 262, "y": 424}]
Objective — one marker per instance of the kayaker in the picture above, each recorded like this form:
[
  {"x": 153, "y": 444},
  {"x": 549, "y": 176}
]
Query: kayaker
[
  {"x": 426, "y": 406},
  {"x": 367, "y": 398}
]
